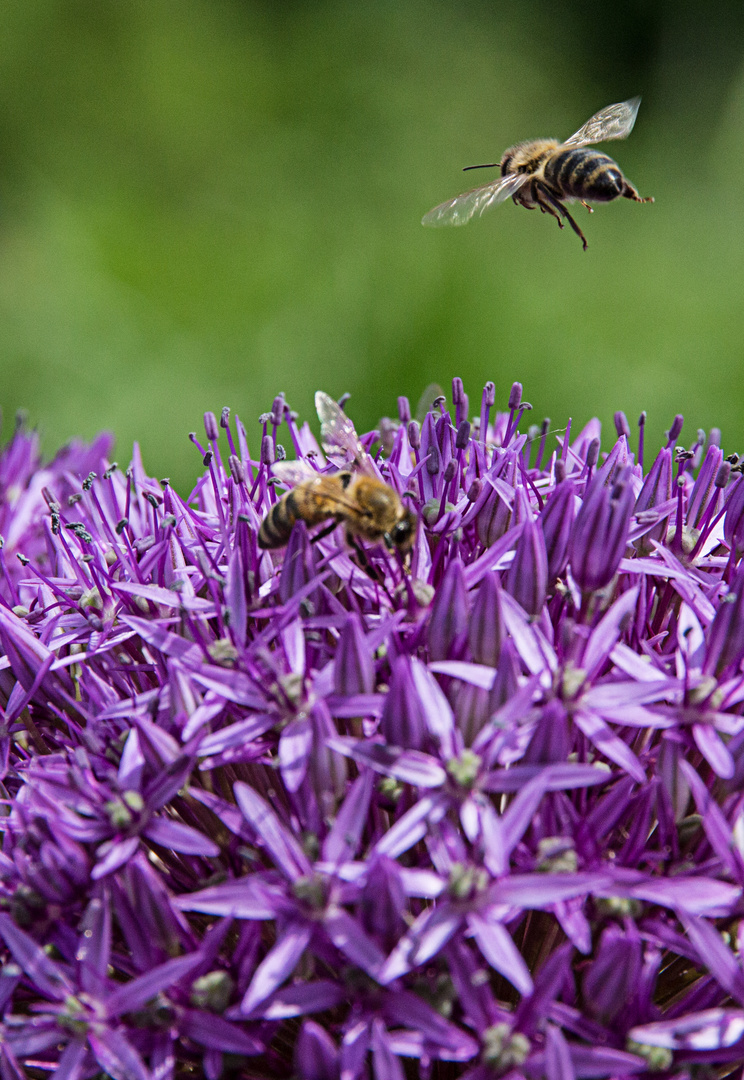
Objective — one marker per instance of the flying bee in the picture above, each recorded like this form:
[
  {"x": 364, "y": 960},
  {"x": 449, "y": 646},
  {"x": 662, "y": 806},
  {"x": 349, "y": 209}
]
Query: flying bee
[
  {"x": 549, "y": 174},
  {"x": 355, "y": 495}
]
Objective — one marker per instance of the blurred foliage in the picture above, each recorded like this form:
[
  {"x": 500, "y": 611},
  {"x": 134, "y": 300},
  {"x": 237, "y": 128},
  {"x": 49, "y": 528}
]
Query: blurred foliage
[{"x": 203, "y": 202}]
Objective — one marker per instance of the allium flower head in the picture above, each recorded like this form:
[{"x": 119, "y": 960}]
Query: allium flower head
[{"x": 335, "y": 812}]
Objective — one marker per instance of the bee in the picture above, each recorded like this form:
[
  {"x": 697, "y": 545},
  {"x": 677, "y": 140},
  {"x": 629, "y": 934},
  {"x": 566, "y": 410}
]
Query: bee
[
  {"x": 548, "y": 174},
  {"x": 356, "y": 495}
]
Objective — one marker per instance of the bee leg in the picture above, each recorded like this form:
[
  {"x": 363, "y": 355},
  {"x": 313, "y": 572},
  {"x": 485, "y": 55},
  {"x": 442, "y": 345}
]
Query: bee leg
[
  {"x": 586, "y": 204},
  {"x": 548, "y": 209},
  {"x": 559, "y": 206},
  {"x": 324, "y": 532},
  {"x": 361, "y": 554}
]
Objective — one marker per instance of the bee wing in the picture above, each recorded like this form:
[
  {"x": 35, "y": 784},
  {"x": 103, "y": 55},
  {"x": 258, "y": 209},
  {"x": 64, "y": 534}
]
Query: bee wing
[
  {"x": 334, "y": 496},
  {"x": 339, "y": 436},
  {"x": 293, "y": 472},
  {"x": 426, "y": 401},
  {"x": 614, "y": 122},
  {"x": 461, "y": 209},
  {"x": 324, "y": 485}
]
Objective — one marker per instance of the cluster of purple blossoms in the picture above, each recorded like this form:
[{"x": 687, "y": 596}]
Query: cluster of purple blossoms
[{"x": 473, "y": 812}]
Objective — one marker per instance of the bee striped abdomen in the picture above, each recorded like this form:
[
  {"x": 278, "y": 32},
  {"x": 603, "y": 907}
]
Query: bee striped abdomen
[
  {"x": 582, "y": 173},
  {"x": 277, "y": 525}
]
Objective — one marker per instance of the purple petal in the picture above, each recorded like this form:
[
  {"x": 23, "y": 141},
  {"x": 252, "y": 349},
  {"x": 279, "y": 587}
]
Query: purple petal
[
  {"x": 558, "y": 1063},
  {"x": 712, "y": 1029},
  {"x": 521, "y": 811},
  {"x": 353, "y": 666},
  {"x": 350, "y": 939},
  {"x": 638, "y": 691},
  {"x": 46, "y": 976},
  {"x": 295, "y": 744},
  {"x": 633, "y": 716},
  {"x": 429, "y": 933},
  {"x": 237, "y": 734},
  {"x": 132, "y": 763},
  {"x": 448, "y": 616},
  {"x": 277, "y": 965},
  {"x": 495, "y": 850},
  {"x": 19, "y": 698},
  {"x": 35, "y": 1036},
  {"x": 114, "y": 854},
  {"x": 71, "y": 1061},
  {"x": 485, "y": 629},
  {"x": 611, "y": 979},
  {"x": 136, "y": 992},
  {"x": 316, "y": 1055},
  {"x": 541, "y": 890},
  {"x": 574, "y": 924},
  {"x": 496, "y": 944},
  {"x": 386, "y": 1064},
  {"x": 303, "y": 998},
  {"x": 597, "y": 1061},
  {"x": 354, "y": 1047},
  {"x": 414, "y": 824},
  {"x": 94, "y": 951},
  {"x": 235, "y": 594},
  {"x": 343, "y": 839},
  {"x": 560, "y": 776},
  {"x": 606, "y": 634},
  {"x": 228, "y": 813},
  {"x": 714, "y": 821},
  {"x": 117, "y": 1057},
  {"x": 475, "y": 674},
  {"x": 208, "y": 1029},
  {"x": 164, "y": 641},
  {"x": 535, "y": 652},
  {"x": 637, "y": 667},
  {"x": 179, "y": 837},
  {"x": 527, "y": 577},
  {"x": 715, "y": 955},
  {"x": 403, "y": 720},
  {"x": 409, "y": 1009},
  {"x": 231, "y": 685},
  {"x": 346, "y": 708},
  {"x": 713, "y": 750},
  {"x": 284, "y": 849},
  {"x": 410, "y": 766},
  {"x": 248, "y": 898},
  {"x": 164, "y": 597},
  {"x": 422, "y": 883},
  {"x": 293, "y": 640},
  {"x": 609, "y": 744},
  {"x": 211, "y": 706},
  {"x": 696, "y": 895},
  {"x": 491, "y": 558}
]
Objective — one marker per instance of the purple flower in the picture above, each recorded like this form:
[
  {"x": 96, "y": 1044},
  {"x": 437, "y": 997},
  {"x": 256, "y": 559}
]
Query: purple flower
[
  {"x": 556, "y": 520},
  {"x": 600, "y": 531},
  {"x": 527, "y": 577},
  {"x": 335, "y": 812},
  {"x": 449, "y": 614}
]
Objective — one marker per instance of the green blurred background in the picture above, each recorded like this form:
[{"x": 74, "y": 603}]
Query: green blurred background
[{"x": 203, "y": 202}]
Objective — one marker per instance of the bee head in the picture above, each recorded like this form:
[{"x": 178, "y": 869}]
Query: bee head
[
  {"x": 506, "y": 160},
  {"x": 403, "y": 532}
]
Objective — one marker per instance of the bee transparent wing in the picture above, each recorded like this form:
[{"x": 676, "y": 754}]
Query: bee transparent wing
[
  {"x": 460, "y": 210},
  {"x": 293, "y": 472},
  {"x": 426, "y": 401},
  {"x": 339, "y": 437},
  {"x": 614, "y": 122}
]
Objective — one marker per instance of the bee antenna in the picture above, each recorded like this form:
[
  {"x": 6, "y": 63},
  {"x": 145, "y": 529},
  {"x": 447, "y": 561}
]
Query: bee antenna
[{"x": 493, "y": 165}]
